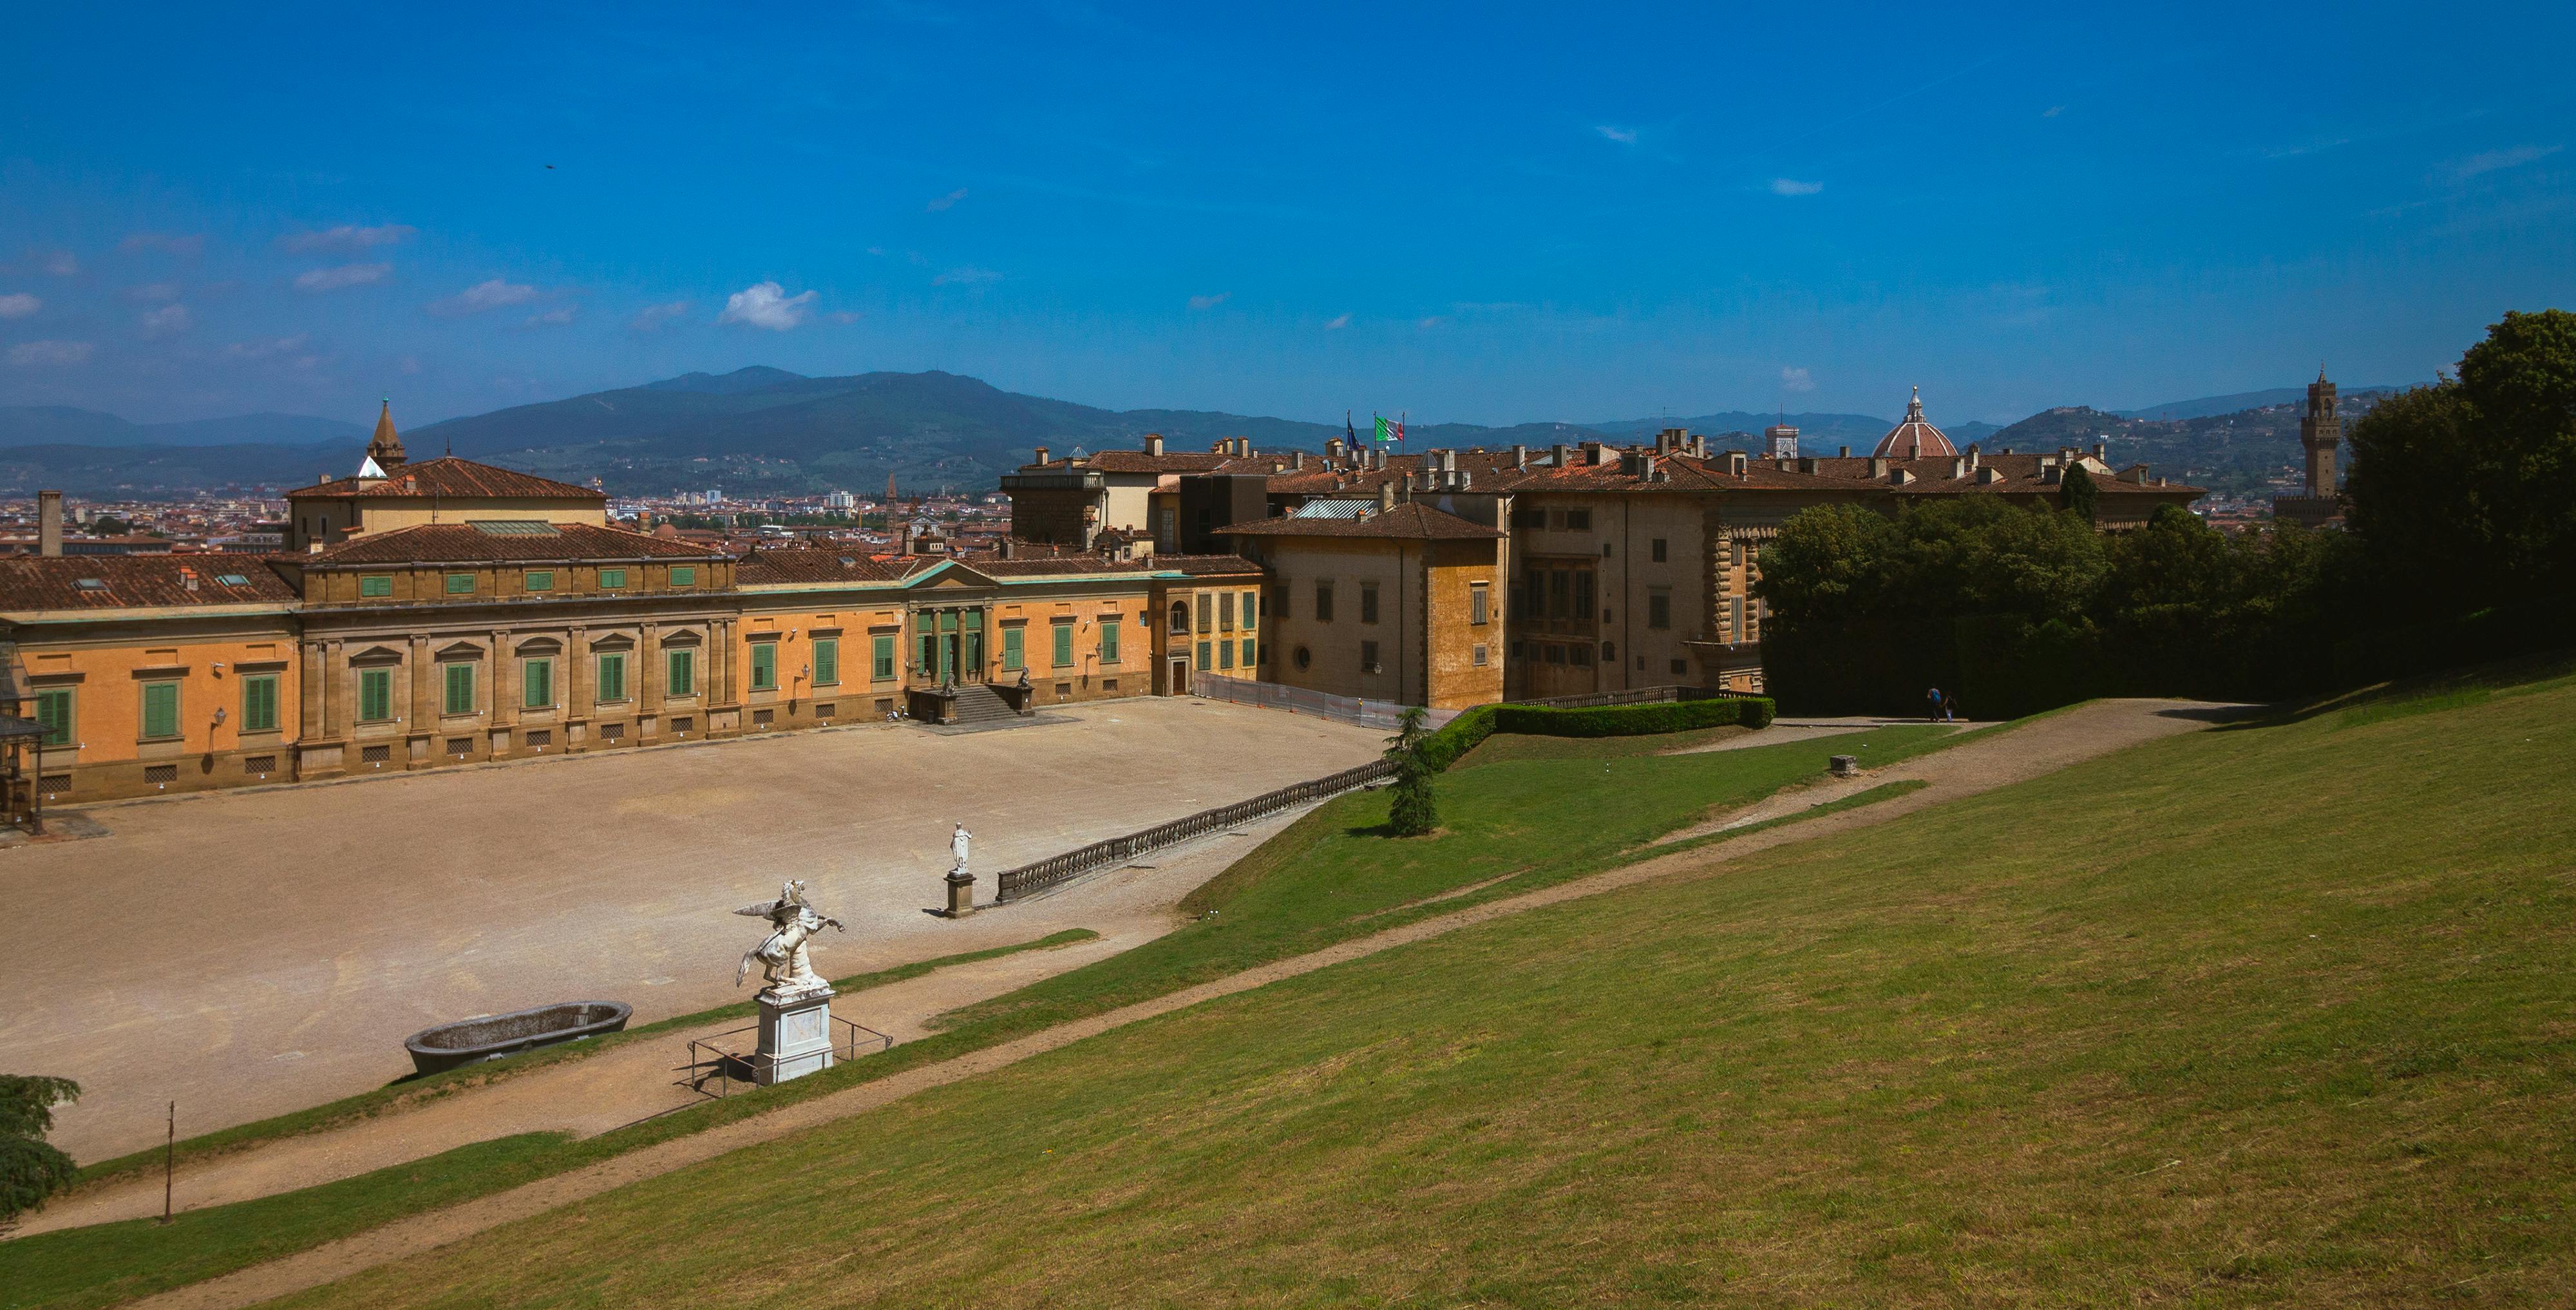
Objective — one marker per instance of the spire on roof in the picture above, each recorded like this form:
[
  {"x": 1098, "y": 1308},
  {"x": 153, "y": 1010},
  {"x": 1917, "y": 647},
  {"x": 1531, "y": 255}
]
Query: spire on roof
[{"x": 385, "y": 450}]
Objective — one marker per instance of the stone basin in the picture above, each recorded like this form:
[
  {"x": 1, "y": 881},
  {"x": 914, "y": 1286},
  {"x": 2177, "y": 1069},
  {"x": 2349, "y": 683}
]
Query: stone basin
[{"x": 493, "y": 1036}]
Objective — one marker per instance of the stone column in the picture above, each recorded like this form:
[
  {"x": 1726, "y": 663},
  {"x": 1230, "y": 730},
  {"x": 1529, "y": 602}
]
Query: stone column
[
  {"x": 426, "y": 700},
  {"x": 335, "y": 690},
  {"x": 505, "y": 682},
  {"x": 648, "y": 652},
  {"x": 316, "y": 706},
  {"x": 577, "y": 682}
]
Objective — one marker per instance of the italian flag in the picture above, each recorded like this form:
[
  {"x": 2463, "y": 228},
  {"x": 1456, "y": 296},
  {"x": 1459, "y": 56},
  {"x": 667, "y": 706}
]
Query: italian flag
[{"x": 1389, "y": 429}]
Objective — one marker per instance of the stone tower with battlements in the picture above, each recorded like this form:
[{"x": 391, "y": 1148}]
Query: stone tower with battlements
[{"x": 2320, "y": 431}]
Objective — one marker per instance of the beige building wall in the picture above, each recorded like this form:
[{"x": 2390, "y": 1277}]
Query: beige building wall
[
  {"x": 98, "y": 666},
  {"x": 1424, "y": 640},
  {"x": 333, "y": 521}
]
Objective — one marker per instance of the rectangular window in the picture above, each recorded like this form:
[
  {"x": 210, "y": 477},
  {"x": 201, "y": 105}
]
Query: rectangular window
[
  {"x": 827, "y": 661},
  {"x": 1207, "y": 653},
  {"x": 1109, "y": 639},
  {"x": 684, "y": 575},
  {"x": 884, "y": 656},
  {"x": 537, "y": 684},
  {"x": 1368, "y": 602},
  {"x": 460, "y": 584},
  {"x": 1224, "y": 611},
  {"x": 612, "y": 677},
  {"x": 1368, "y": 657},
  {"x": 1578, "y": 520},
  {"x": 1249, "y": 650},
  {"x": 375, "y": 585},
  {"x": 1206, "y": 612},
  {"x": 375, "y": 695},
  {"x": 1559, "y": 589},
  {"x": 764, "y": 666},
  {"x": 1225, "y": 654},
  {"x": 259, "y": 702},
  {"x": 1251, "y": 609},
  {"x": 1480, "y": 656},
  {"x": 54, "y": 712},
  {"x": 1659, "y": 608},
  {"x": 1323, "y": 602},
  {"x": 460, "y": 687},
  {"x": 1583, "y": 596},
  {"x": 680, "y": 673},
  {"x": 1582, "y": 654},
  {"x": 1063, "y": 644},
  {"x": 1659, "y": 550},
  {"x": 1480, "y": 602},
  {"x": 541, "y": 579},
  {"x": 611, "y": 579},
  {"x": 1015, "y": 655}
]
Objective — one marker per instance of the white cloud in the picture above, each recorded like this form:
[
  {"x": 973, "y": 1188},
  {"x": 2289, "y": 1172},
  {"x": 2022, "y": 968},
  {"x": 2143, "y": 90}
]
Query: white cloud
[
  {"x": 347, "y": 237},
  {"x": 948, "y": 201},
  {"x": 153, "y": 292},
  {"x": 167, "y": 242},
  {"x": 2052, "y": 111},
  {"x": 165, "y": 320},
  {"x": 767, "y": 305},
  {"x": 2497, "y": 160},
  {"x": 346, "y": 275},
  {"x": 1790, "y": 186},
  {"x": 847, "y": 317},
  {"x": 1626, "y": 136},
  {"x": 62, "y": 263},
  {"x": 1431, "y": 322},
  {"x": 652, "y": 317},
  {"x": 1796, "y": 379},
  {"x": 966, "y": 275},
  {"x": 492, "y": 294},
  {"x": 1209, "y": 302},
  {"x": 265, "y": 349},
  {"x": 19, "y": 305},
  {"x": 49, "y": 354},
  {"x": 1336, "y": 324},
  {"x": 555, "y": 317}
]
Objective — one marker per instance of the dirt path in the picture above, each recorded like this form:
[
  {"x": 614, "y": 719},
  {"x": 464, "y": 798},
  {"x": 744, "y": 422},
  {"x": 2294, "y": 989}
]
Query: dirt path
[
  {"x": 2036, "y": 749},
  {"x": 624, "y": 1083}
]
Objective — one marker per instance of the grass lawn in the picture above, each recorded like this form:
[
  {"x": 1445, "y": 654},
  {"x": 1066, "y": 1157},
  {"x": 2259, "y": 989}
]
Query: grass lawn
[{"x": 2276, "y": 1015}]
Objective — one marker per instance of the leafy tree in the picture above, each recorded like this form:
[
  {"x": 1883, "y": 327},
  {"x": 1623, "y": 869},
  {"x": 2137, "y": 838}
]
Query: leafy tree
[
  {"x": 109, "y": 525},
  {"x": 2465, "y": 491},
  {"x": 1411, "y": 809},
  {"x": 1828, "y": 563},
  {"x": 30, "y": 1168},
  {"x": 2076, "y": 492}
]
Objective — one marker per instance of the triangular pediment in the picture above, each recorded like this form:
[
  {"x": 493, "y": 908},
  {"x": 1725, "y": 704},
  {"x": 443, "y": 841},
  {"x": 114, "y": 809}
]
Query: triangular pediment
[{"x": 949, "y": 575}]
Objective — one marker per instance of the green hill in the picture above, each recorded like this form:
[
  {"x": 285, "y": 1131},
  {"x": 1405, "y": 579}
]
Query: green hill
[{"x": 2278, "y": 1013}]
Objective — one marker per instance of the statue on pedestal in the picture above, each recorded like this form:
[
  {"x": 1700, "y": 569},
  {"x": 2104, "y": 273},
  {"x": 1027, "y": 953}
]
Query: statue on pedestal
[
  {"x": 961, "y": 882},
  {"x": 957, "y": 849},
  {"x": 787, "y": 963}
]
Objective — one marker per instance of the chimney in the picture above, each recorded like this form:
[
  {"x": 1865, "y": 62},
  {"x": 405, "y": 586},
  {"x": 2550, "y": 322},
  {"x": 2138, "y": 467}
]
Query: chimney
[
  {"x": 1958, "y": 466},
  {"x": 1042, "y": 454},
  {"x": 1560, "y": 454},
  {"x": 1332, "y": 449},
  {"x": 1153, "y": 443},
  {"x": 2102, "y": 450},
  {"x": 1877, "y": 467},
  {"x": 1975, "y": 459},
  {"x": 1735, "y": 462},
  {"x": 1806, "y": 463},
  {"x": 1298, "y": 461},
  {"x": 1386, "y": 495},
  {"x": 1846, "y": 452},
  {"x": 1595, "y": 453},
  {"x": 1520, "y": 455},
  {"x": 49, "y": 523}
]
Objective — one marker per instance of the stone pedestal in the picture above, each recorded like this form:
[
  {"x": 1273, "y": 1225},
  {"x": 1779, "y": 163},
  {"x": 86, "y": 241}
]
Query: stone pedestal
[
  {"x": 961, "y": 895},
  {"x": 795, "y": 1035}
]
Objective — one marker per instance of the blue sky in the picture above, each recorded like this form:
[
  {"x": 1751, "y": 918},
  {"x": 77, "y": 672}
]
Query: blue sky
[{"x": 1469, "y": 213}]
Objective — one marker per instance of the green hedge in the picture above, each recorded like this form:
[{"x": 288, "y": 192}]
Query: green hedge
[{"x": 1443, "y": 748}]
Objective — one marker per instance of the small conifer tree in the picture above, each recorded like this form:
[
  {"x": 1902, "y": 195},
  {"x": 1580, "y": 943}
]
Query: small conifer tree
[
  {"x": 2075, "y": 490},
  {"x": 1411, "y": 811}
]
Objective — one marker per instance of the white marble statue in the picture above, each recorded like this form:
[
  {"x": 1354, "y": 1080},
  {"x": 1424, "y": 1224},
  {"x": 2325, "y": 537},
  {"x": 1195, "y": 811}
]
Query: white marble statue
[
  {"x": 957, "y": 849},
  {"x": 788, "y": 966}
]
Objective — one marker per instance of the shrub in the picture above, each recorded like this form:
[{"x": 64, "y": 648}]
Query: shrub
[
  {"x": 1630, "y": 720},
  {"x": 30, "y": 1168},
  {"x": 1464, "y": 733}
]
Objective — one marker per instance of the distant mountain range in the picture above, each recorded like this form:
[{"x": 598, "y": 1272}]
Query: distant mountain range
[{"x": 766, "y": 431}]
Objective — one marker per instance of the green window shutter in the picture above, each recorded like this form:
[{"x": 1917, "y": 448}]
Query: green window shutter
[
  {"x": 682, "y": 669},
  {"x": 884, "y": 658},
  {"x": 827, "y": 661},
  {"x": 1225, "y": 654},
  {"x": 1063, "y": 644},
  {"x": 376, "y": 584},
  {"x": 54, "y": 711},
  {"x": 259, "y": 703},
  {"x": 1014, "y": 656},
  {"x": 541, "y": 579},
  {"x": 460, "y": 584},
  {"x": 610, "y": 579},
  {"x": 160, "y": 709},
  {"x": 1109, "y": 639},
  {"x": 612, "y": 678},
  {"x": 1251, "y": 609},
  {"x": 537, "y": 686},
  {"x": 684, "y": 575},
  {"x": 460, "y": 688},
  {"x": 764, "y": 666},
  {"x": 1248, "y": 652},
  {"x": 375, "y": 695},
  {"x": 1203, "y": 657}
]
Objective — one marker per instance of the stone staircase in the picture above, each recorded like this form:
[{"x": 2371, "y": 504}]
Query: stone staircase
[{"x": 977, "y": 703}]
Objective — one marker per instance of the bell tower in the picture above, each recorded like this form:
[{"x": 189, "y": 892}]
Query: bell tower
[
  {"x": 2320, "y": 431},
  {"x": 386, "y": 449}
]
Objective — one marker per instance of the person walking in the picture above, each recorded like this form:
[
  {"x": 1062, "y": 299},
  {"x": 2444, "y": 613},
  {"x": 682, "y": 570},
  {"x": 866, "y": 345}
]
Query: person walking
[{"x": 1933, "y": 696}]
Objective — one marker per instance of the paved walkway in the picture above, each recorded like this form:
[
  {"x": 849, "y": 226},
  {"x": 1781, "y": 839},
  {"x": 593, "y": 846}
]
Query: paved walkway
[
  {"x": 252, "y": 953},
  {"x": 2038, "y": 748}
]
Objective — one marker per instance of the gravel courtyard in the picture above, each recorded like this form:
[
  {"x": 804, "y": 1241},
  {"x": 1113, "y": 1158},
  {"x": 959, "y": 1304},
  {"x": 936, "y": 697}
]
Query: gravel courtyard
[{"x": 253, "y": 953}]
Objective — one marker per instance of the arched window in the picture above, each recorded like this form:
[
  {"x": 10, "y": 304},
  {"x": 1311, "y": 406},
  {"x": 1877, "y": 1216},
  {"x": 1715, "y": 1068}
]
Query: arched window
[{"x": 1180, "y": 616}]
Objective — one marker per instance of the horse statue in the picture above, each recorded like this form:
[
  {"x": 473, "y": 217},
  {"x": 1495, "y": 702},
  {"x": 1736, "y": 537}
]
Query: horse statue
[{"x": 787, "y": 965}]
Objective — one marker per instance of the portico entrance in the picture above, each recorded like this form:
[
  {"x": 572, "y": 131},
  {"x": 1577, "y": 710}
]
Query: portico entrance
[{"x": 948, "y": 645}]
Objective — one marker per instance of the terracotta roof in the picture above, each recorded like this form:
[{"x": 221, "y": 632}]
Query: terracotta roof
[
  {"x": 1915, "y": 437},
  {"x": 802, "y": 564},
  {"x": 449, "y": 476},
  {"x": 1413, "y": 522},
  {"x": 61, "y": 582},
  {"x": 2009, "y": 475},
  {"x": 506, "y": 542},
  {"x": 1078, "y": 565}
]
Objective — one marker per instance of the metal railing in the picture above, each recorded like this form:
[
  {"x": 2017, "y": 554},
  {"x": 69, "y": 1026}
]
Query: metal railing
[
  {"x": 1028, "y": 878},
  {"x": 714, "y": 1059},
  {"x": 1300, "y": 700}
]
